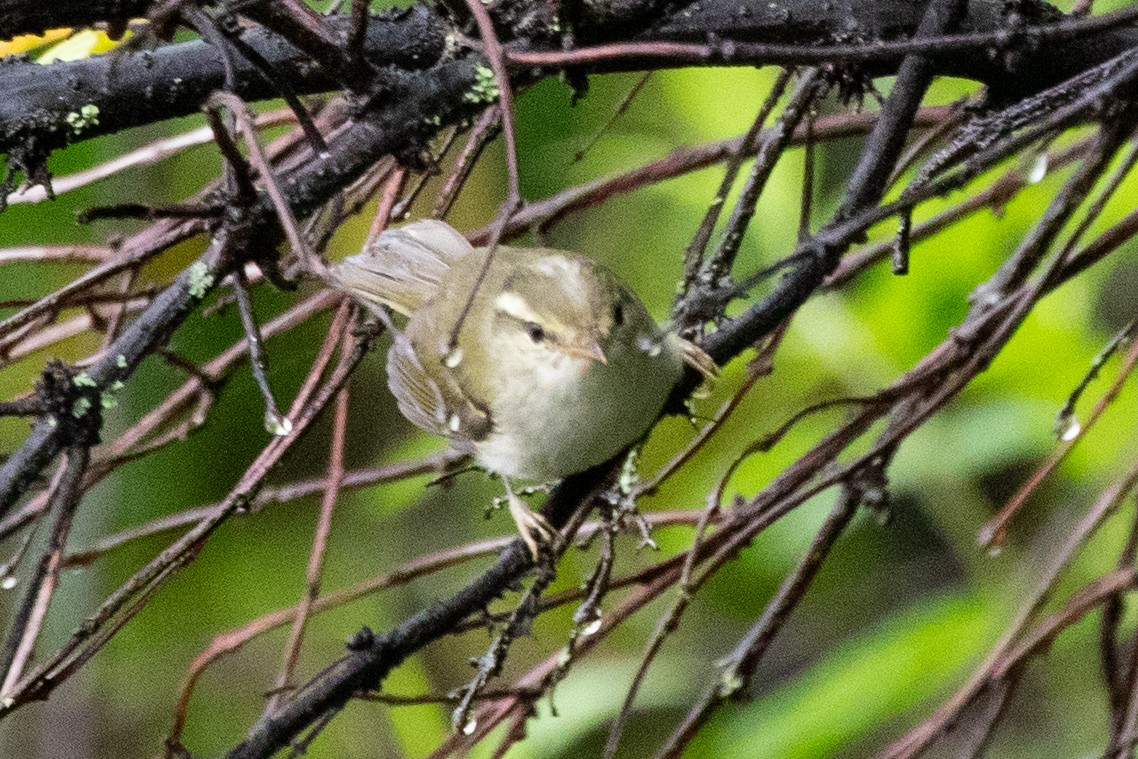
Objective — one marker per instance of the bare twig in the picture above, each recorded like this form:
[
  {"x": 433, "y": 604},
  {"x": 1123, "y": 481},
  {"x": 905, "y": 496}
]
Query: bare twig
[
  {"x": 676, "y": 53},
  {"x": 480, "y": 136},
  {"x": 995, "y": 531},
  {"x": 319, "y": 547},
  {"x": 392, "y": 188},
  {"x": 718, "y": 267},
  {"x": 497, "y": 57},
  {"x": 274, "y": 421},
  {"x": 738, "y": 668},
  {"x": 919, "y": 738},
  {"x": 148, "y": 155},
  {"x": 694, "y": 255},
  {"x": 619, "y": 111},
  {"x": 258, "y": 157},
  {"x": 41, "y": 585},
  {"x": 124, "y": 602}
]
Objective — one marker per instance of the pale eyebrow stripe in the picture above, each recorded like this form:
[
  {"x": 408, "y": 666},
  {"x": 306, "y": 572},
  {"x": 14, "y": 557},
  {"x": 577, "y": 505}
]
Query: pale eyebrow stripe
[{"x": 513, "y": 305}]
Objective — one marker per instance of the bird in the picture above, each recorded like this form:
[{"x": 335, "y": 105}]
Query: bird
[{"x": 557, "y": 365}]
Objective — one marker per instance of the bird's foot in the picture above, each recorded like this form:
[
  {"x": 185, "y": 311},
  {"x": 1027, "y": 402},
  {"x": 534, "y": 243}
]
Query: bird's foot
[
  {"x": 536, "y": 531},
  {"x": 697, "y": 359}
]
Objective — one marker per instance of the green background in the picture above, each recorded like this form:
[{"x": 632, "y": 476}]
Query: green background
[{"x": 898, "y": 618}]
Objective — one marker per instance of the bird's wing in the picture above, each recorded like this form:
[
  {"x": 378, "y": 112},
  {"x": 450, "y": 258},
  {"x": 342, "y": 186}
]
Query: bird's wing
[
  {"x": 434, "y": 401},
  {"x": 403, "y": 267}
]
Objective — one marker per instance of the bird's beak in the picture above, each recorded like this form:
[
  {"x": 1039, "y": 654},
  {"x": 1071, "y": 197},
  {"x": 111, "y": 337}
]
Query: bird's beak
[{"x": 588, "y": 349}]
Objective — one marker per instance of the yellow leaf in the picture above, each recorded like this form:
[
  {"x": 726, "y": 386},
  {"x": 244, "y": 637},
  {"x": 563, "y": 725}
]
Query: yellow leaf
[
  {"x": 81, "y": 45},
  {"x": 26, "y": 42}
]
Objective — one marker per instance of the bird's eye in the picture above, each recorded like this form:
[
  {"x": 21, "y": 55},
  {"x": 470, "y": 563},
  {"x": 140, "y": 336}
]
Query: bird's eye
[
  {"x": 535, "y": 332},
  {"x": 618, "y": 314}
]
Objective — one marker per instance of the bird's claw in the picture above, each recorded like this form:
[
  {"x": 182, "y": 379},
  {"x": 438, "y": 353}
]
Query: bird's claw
[
  {"x": 536, "y": 531},
  {"x": 697, "y": 359}
]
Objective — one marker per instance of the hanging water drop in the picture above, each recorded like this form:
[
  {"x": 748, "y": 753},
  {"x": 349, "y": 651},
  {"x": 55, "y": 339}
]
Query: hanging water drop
[
  {"x": 197, "y": 419},
  {"x": 276, "y": 424},
  {"x": 1071, "y": 430},
  {"x": 1038, "y": 169},
  {"x": 453, "y": 357},
  {"x": 470, "y": 726},
  {"x": 8, "y": 582},
  {"x": 592, "y": 628}
]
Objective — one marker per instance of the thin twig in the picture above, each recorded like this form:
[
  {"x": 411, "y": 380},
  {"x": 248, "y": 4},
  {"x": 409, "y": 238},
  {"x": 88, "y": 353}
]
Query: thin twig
[
  {"x": 740, "y": 666},
  {"x": 497, "y": 57},
  {"x": 263, "y": 164},
  {"x": 402, "y": 209},
  {"x": 694, "y": 255},
  {"x": 760, "y": 367},
  {"x": 274, "y": 421},
  {"x": 994, "y": 532},
  {"x": 480, "y": 136},
  {"x": 41, "y": 585},
  {"x": 334, "y": 479},
  {"x": 360, "y": 478},
  {"x": 1119, "y": 678},
  {"x": 619, "y": 111},
  {"x": 810, "y": 87},
  {"x": 392, "y": 188},
  {"x": 147, "y": 155},
  {"x": 806, "y": 204},
  {"x": 648, "y": 53}
]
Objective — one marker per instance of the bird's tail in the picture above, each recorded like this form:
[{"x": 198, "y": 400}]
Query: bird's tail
[{"x": 402, "y": 268}]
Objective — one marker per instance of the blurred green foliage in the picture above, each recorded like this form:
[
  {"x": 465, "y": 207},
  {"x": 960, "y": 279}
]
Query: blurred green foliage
[{"x": 898, "y": 617}]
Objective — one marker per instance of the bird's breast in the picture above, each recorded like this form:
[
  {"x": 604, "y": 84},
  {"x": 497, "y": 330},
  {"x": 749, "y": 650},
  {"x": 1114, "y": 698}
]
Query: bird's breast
[{"x": 561, "y": 417}]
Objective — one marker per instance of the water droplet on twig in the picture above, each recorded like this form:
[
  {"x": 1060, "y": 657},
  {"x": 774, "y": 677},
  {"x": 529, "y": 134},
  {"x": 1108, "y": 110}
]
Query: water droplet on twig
[
  {"x": 1071, "y": 429},
  {"x": 277, "y": 424}
]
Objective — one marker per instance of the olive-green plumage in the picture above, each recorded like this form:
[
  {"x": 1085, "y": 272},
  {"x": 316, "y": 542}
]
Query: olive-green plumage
[{"x": 558, "y": 365}]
